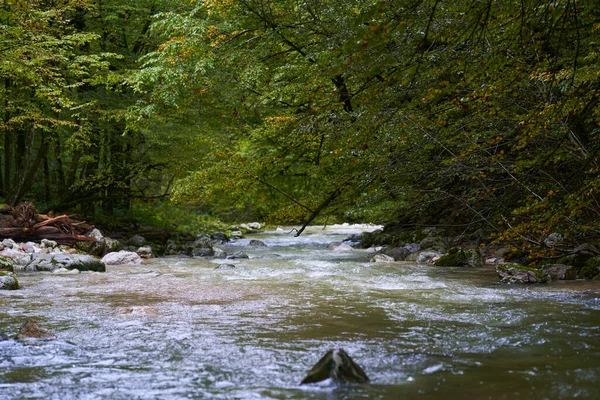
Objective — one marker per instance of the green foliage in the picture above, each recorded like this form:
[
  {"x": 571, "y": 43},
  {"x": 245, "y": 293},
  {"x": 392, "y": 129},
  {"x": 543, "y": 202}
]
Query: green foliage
[{"x": 170, "y": 217}]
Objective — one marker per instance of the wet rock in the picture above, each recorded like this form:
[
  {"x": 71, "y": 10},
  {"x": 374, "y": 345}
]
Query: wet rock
[
  {"x": 251, "y": 227},
  {"x": 343, "y": 248},
  {"x": 333, "y": 245},
  {"x": 514, "y": 273},
  {"x": 237, "y": 255},
  {"x": 257, "y": 243},
  {"x": 100, "y": 247},
  {"x": 201, "y": 247},
  {"x": 31, "y": 330},
  {"x": 29, "y": 247},
  {"x": 558, "y": 272},
  {"x": 424, "y": 257},
  {"x": 374, "y": 249},
  {"x": 145, "y": 252},
  {"x": 397, "y": 253},
  {"x": 434, "y": 242},
  {"x": 6, "y": 264},
  {"x": 96, "y": 234},
  {"x": 8, "y": 281},
  {"x": 236, "y": 235},
  {"x": 219, "y": 236},
  {"x": 50, "y": 262},
  {"x": 412, "y": 247},
  {"x": 336, "y": 365},
  {"x": 122, "y": 257},
  {"x": 225, "y": 266},
  {"x": 9, "y": 244},
  {"x": 381, "y": 258},
  {"x": 203, "y": 252},
  {"x": 219, "y": 253}
]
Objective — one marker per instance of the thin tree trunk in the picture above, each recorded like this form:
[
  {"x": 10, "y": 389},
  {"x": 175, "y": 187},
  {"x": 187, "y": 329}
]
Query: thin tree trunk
[{"x": 24, "y": 184}]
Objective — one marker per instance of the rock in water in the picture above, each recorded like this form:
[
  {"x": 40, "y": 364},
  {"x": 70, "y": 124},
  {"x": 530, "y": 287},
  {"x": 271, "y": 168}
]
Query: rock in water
[
  {"x": 337, "y": 365},
  {"x": 31, "y": 329}
]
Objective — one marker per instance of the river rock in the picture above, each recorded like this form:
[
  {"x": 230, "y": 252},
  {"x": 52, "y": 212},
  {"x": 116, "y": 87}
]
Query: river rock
[
  {"x": 48, "y": 244},
  {"x": 8, "y": 281},
  {"x": 144, "y": 252},
  {"x": 397, "y": 253},
  {"x": 434, "y": 242},
  {"x": 514, "y": 273},
  {"x": 96, "y": 234},
  {"x": 252, "y": 226},
  {"x": 219, "y": 253},
  {"x": 9, "y": 244},
  {"x": 425, "y": 256},
  {"x": 219, "y": 236},
  {"x": 381, "y": 258},
  {"x": 31, "y": 330},
  {"x": 336, "y": 365},
  {"x": 235, "y": 235},
  {"x": 122, "y": 257},
  {"x": 559, "y": 272},
  {"x": 6, "y": 264},
  {"x": 237, "y": 255},
  {"x": 257, "y": 243},
  {"x": 333, "y": 245},
  {"x": 50, "y": 262},
  {"x": 29, "y": 247},
  {"x": 203, "y": 252},
  {"x": 343, "y": 248}
]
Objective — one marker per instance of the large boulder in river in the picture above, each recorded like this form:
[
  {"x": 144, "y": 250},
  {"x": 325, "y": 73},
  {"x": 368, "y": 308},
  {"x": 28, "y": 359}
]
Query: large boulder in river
[
  {"x": 122, "y": 257},
  {"x": 50, "y": 262},
  {"x": 336, "y": 365},
  {"x": 8, "y": 281}
]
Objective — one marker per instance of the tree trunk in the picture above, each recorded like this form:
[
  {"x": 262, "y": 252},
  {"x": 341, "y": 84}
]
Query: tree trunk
[{"x": 28, "y": 176}]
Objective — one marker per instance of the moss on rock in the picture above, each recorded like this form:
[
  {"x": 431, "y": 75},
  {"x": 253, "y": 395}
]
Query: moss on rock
[{"x": 6, "y": 264}]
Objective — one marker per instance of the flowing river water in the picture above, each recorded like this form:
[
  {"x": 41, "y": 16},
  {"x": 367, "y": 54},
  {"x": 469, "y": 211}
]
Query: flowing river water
[{"x": 176, "y": 328}]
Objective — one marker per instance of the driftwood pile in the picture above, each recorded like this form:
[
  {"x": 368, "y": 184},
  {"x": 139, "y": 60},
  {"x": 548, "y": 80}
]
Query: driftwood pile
[{"x": 24, "y": 223}]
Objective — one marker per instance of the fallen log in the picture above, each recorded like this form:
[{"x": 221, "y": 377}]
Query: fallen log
[{"x": 25, "y": 223}]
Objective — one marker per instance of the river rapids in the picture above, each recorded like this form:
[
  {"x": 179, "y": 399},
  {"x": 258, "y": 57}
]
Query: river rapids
[{"x": 177, "y": 328}]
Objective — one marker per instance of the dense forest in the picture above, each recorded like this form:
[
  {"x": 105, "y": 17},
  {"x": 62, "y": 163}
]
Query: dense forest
[{"x": 472, "y": 116}]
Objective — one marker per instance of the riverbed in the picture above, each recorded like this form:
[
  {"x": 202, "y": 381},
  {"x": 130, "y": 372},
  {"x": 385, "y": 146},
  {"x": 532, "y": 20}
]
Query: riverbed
[{"x": 176, "y": 327}]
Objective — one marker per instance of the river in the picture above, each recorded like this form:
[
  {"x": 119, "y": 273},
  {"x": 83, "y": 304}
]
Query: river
[{"x": 176, "y": 327}]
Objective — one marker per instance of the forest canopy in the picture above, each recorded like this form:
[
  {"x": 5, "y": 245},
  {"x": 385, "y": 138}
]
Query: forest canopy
[{"x": 467, "y": 115}]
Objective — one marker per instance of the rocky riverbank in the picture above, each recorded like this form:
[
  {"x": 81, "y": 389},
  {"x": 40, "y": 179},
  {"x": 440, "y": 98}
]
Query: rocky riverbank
[
  {"x": 431, "y": 247},
  {"x": 95, "y": 254}
]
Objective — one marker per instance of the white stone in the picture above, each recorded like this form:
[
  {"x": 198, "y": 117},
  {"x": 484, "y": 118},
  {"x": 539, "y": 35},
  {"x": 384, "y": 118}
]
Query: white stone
[
  {"x": 122, "y": 257},
  {"x": 343, "y": 247}
]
